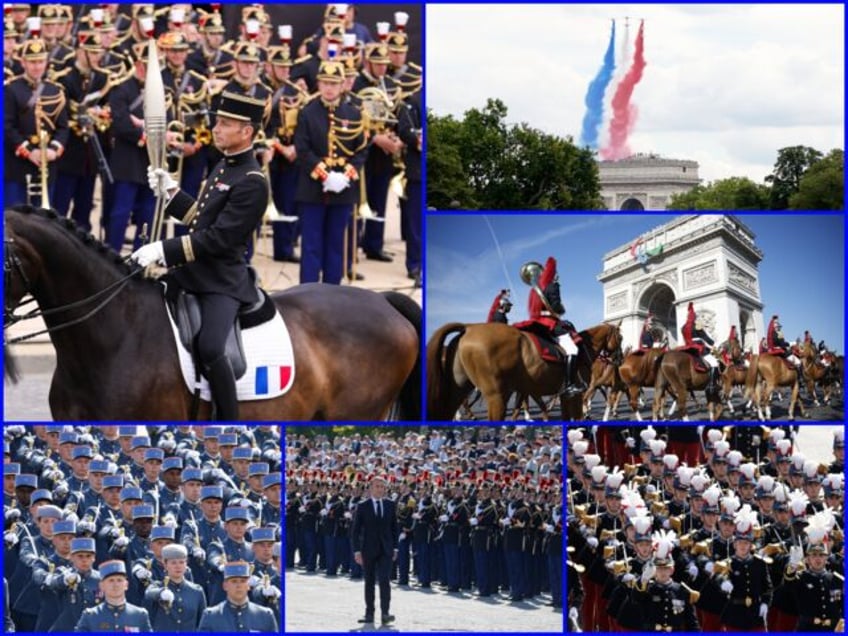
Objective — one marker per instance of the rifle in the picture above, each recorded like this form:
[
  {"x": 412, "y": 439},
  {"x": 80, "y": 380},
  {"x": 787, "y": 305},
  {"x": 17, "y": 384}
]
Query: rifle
[{"x": 86, "y": 122}]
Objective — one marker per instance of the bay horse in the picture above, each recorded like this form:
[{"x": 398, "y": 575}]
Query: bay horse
[
  {"x": 356, "y": 352},
  {"x": 814, "y": 371},
  {"x": 677, "y": 373},
  {"x": 774, "y": 372},
  {"x": 501, "y": 360},
  {"x": 735, "y": 373},
  {"x": 605, "y": 374},
  {"x": 638, "y": 370}
]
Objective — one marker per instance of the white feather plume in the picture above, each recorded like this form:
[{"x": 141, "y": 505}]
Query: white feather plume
[
  {"x": 580, "y": 448},
  {"x": 642, "y": 523},
  {"x": 648, "y": 434},
  {"x": 714, "y": 435},
  {"x": 781, "y": 493},
  {"x": 722, "y": 447},
  {"x": 811, "y": 468},
  {"x": 599, "y": 473},
  {"x": 839, "y": 434},
  {"x": 819, "y": 525},
  {"x": 657, "y": 447},
  {"x": 730, "y": 504},
  {"x": 574, "y": 436},
  {"x": 783, "y": 447},
  {"x": 766, "y": 483},
  {"x": 711, "y": 495},
  {"x": 734, "y": 458},
  {"x": 777, "y": 434},
  {"x": 748, "y": 470},
  {"x": 671, "y": 461},
  {"x": 798, "y": 461},
  {"x": 614, "y": 479},
  {"x": 684, "y": 474},
  {"x": 745, "y": 519},
  {"x": 664, "y": 542},
  {"x": 798, "y": 502},
  {"x": 592, "y": 461},
  {"x": 700, "y": 481}
]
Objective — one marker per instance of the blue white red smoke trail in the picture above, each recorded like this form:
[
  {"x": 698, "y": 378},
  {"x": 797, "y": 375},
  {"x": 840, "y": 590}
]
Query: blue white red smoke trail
[
  {"x": 623, "y": 112},
  {"x": 595, "y": 96}
]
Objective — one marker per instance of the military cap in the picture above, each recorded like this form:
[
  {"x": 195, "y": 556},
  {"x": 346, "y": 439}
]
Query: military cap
[
  {"x": 69, "y": 437},
  {"x": 212, "y": 432},
  {"x": 244, "y": 52},
  {"x": 161, "y": 532},
  {"x": 236, "y": 514},
  {"x": 243, "y": 453},
  {"x": 140, "y": 441},
  {"x": 237, "y": 569},
  {"x": 127, "y": 431},
  {"x": 350, "y": 67},
  {"x": 261, "y": 535},
  {"x": 25, "y": 480},
  {"x": 377, "y": 53},
  {"x": 142, "y": 10},
  {"x": 172, "y": 463},
  {"x": 331, "y": 72},
  {"x": 9, "y": 30},
  {"x": 398, "y": 42},
  {"x": 51, "y": 13},
  {"x": 99, "y": 466},
  {"x": 54, "y": 429},
  {"x": 144, "y": 511},
  {"x": 65, "y": 527},
  {"x": 240, "y": 108},
  {"x": 838, "y": 438},
  {"x": 131, "y": 492},
  {"x": 255, "y": 13},
  {"x": 228, "y": 439},
  {"x": 11, "y": 468},
  {"x": 173, "y": 41},
  {"x": 280, "y": 55},
  {"x": 110, "y": 568},
  {"x": 41, "y": 495},
  {"x": 211, "y": 23},
  {"x": 49, "y": 512},
  {"x": 192, "y": 474},
  {"x": 82, "y": 545},
  {"x": 272, "y": 480},
  {"x": 82, "y": 451},
  {"x": 211, "y": 492},
  {"x": 154, "y": 454},
  {"x": 174, "y": 551},
  {"x": 258, "y": 468},
  {"x": 113, "y": 481},
  {"x": 90, "y": 41},
  {"x": 276, "y": 551}
]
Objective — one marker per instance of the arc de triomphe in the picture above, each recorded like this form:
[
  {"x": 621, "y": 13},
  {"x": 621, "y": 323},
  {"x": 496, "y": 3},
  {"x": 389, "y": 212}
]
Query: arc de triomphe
[{"x": 709, "y": 259}]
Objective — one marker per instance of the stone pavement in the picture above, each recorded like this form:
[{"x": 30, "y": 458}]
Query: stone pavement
[{"x": 315, "y": 603}]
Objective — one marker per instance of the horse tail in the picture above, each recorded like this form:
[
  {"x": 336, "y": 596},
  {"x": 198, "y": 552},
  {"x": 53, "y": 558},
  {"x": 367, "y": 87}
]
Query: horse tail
[
  {"x": 409, "y": 399},
  {"x": 10, "y": 366},
  {"x": 442, "y": 391}
]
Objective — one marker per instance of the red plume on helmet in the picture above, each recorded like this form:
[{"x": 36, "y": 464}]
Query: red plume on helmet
[
  {"x": 732, "y": 332},
  {"x": 535, "y": 304}
]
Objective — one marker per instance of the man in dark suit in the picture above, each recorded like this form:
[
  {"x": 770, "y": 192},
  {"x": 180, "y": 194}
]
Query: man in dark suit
[{"x": 374, "y": 538}]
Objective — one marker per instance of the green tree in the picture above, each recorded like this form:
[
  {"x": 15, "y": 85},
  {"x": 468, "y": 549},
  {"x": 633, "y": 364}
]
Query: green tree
[
  {"x": 735, "y": 193},
  {"x": 822, "y": 186},
  {"x": 792, "y": 163},
  {"x": 505, "y": 166}
]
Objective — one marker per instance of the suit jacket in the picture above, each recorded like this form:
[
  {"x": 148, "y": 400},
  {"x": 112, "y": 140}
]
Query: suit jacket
[{"x": 371, "y": 535}]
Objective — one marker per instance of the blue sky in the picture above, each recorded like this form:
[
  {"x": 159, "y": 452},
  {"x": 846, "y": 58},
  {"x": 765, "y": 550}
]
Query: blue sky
[{"x": 802, "y": 274}]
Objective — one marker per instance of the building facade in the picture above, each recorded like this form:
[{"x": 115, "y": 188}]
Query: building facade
[{"x": 645, "y": 181}]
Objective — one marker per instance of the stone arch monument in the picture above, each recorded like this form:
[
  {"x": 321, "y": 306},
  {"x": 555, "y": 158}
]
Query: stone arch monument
[
  {"x": 645, "y": 181},
  {"x": 708, "y": 259}
]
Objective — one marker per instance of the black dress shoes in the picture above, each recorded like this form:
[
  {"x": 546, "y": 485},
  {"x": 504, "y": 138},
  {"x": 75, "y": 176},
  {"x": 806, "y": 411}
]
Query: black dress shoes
[
  {"x": 378, "y": 256},
  {"x": 355, "y": 276},
  {"x": 385, "y": 619},
  {"x": 291, "y": 259},
  {"x": 367, "y": 619}
]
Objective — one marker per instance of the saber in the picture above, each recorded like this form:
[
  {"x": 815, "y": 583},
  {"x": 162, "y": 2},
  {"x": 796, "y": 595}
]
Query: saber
[{"x": 155, "y": 124}]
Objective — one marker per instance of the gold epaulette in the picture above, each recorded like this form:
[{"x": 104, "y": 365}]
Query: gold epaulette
[
  {"x": 55, "y": 75},
  {"x": 303, "y": 59},
  {"x": 415, "y": 66}
]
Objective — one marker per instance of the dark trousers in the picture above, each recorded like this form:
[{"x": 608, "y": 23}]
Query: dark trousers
[
  {"x": 322, "y": 228},
  {"x": 466, "y": 566},
  {"x": 291, "y": 547},
  {"x": 310, "y": 544},
  {"x": 403, "y": 562},
  {"x": 555, "y": 577},
  {"x": 283, "y": 186},
  {"x": 515, "y": 572},
  {"x": 451, "y": 551},
  {"x": 15, "y": 193},
  {"x": 218, "y": 316},
  {"x": 422, "y": 562},
  {"x": 132, "y": 200},
  {"x": 377, "y": 189},
  {"x": 377, "y": 570},
  {"x": 481, "y": 571},
  {"x": 80, "y": 190},
  {"x": 410, "y": 218}
]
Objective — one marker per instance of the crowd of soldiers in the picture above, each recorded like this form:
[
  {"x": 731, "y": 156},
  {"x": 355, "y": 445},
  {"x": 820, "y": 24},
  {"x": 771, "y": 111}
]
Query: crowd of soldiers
[
  {"x": 73, "y": 110},
  {"x": 746, "y": 534},
  {"x": 476, "y": 508},
  {"x": 169, "y": 528}
]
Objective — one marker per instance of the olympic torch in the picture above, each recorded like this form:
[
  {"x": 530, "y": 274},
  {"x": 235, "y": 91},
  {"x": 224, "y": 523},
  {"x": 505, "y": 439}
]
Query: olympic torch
[{"x": 155, "y": 125}]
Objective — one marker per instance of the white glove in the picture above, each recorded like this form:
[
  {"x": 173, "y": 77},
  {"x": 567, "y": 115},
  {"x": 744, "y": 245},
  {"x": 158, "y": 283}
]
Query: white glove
[
  {"x": 693, "y": 571},
  {"x": 270, "y": 592},
  {"x": 593, "y": 542},
  {"x": 160, "y": 182},
  {"x": 549, "y": 527},
  {"x": 505, "y": 522},
  {"x": 572, "y": 614},
  {"x": 415, "y": 515},
  {"x": 87, "y": 526},
  {"x": 168, "y": 445},
  {"x": 402, "y": 536},
  {"x": 630, "y": 442},
  {"x": 71, "y": 578},
  {"x": 302, "y": 509},
  {"x": 169, "y": 521},
  {"x": 61, "y": 490},
  {"x": 11, "y": 538},
  {"x": 12, "y": 515},
  {"x": 666, "y": 524},
  {"x": 149, "y": 254},
  {"x": 221, "y": 566},
  {"x": 142, "y": 573},
  {"x": 199, "y": 553},
  {"x": 71, "y": 516},
  {"x": 253, "y": 581},
  {"x": 726, "y": 587},
  {"x": 323, "y": 512},
  {"x": 347, "y": 515},
  {"x": 166, "y": 596},
  {"x": 335, "y": 182},
  {"x": 122, "y": 542},
  {"x": 593, "y": 430},
  {"x": 443, "y": 518},
  {"x": 796, "y": 555},
  {"x": 473, "y": 521},
  {"x": 627, "y": 578},
  {"x": 114, "y": 533},
  {"x": 648, "y": 572},
  {"x": 708, "y": 567},
  {"x": 763, "y": 610}
]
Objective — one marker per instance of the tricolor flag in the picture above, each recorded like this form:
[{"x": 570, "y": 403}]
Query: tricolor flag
[{"x": 271, "y": 379}]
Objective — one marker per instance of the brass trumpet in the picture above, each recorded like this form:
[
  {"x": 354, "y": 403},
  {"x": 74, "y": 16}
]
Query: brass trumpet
[{"x": 42, "y": 147}]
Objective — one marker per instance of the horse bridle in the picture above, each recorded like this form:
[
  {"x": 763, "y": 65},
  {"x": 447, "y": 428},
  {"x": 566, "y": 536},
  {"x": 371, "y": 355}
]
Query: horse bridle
[{"x": 12, "y": 265}]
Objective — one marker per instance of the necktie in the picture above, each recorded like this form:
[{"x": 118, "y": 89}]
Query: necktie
[{"x": 379, "y": 509}]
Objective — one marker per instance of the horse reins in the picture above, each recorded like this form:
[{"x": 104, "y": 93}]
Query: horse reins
[{"x": 12, "y": 263}]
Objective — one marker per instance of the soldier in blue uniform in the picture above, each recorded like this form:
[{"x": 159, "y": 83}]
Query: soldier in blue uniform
[
  {"x": 80, "y": 461},
  {"x": 73, "y": 591},
  {"x": 9, "y": 625},
  {"x": 256, "y": 472},
  {"x": 188, "y": 508},
  {"x": 48, "y": 574},
  {"x": 241, "y": 465},
  {"x": 10, "y": 471},
  {"x": 153, "y": 458},
  {"x": 233, "y": 547},
  {"x": 237, "y": 613},
  {"x": 174, "y": 602},
  {"x": 114, "y": 614},
  {"x": 330, "y": 143},
  {"x": 265, "y": 578},
  {"x": 222, "y": 222},
  {"x": 204, "y": 531},
  {"x": 91, "y": 493},
  {"x": 227, "y": 443},
  {"x": 211, "y": 455},
  {"x": 170, "y": 495},
  {"x": 34, "y": 549}
]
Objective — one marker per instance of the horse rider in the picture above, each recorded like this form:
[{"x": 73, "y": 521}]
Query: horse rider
[
  {"x": 694, "y": 335},
  {"x": 500, "y": 308},
  {"x": 725, "y": 351},
  {"x": 777, "y": 345},
  {"x": 212, "y": 255},
  {"x": 646, "y": 340},
  {"x": 545, "y": 307}
]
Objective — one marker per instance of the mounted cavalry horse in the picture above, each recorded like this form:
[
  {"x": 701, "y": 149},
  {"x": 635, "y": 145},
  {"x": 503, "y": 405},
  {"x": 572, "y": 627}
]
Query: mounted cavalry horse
[
  {"x": 501, "y": 360},
  {"x": 354, "y": 354},
  {"x": 775, "y": 371},
  {"x": 638, "y": 371}
]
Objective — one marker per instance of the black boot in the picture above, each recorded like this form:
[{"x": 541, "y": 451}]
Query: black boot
[
  {"x": 573, "y": 385},
  {"x": 712, "y": 383},
  {"x": 222, "y": 383}
]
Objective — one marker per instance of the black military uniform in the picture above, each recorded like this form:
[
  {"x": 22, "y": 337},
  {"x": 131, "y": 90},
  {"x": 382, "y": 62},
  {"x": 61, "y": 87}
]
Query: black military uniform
[
  {"x": 819, "y": 596},
  {"x": 409, "y": 131},
  {"x": 667, "y": 608},
  {"x": 751, "y": 587}
]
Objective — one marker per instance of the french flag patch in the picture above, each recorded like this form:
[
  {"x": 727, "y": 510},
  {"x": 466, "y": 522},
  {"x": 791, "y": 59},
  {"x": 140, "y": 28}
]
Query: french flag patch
[{"x": 272, "y": 379}]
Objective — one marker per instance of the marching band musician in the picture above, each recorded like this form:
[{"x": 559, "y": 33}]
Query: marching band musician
[
  {"x": 53, "y": 19},
  {"x": 140, "y": 30},
  {"x": 31, "y": 104},
  {"x": 501, "y": 306},
  {"x": 410, "y": 133},
  {"x": 329, "y": 141},
  {"x": 408, "y": 76},
  {"x": 209, "y": 58},
  {"x": 11, "y": 62}
]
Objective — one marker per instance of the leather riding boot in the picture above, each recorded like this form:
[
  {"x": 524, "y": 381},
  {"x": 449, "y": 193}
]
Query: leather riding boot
[
  {"x": 712, "y": 383},
  {"x": 222, "y": 383},
  {"x": 572, "y": 384}
]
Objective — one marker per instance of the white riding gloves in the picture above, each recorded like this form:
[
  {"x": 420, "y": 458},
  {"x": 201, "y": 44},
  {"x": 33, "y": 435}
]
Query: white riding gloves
[
  {"x": 160, "y": 182},
  {"x": 149, "y": 254}
]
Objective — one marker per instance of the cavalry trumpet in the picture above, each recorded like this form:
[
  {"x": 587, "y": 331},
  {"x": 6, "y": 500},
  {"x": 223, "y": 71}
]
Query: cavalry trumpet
[{"x": 42, "y": 147}]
